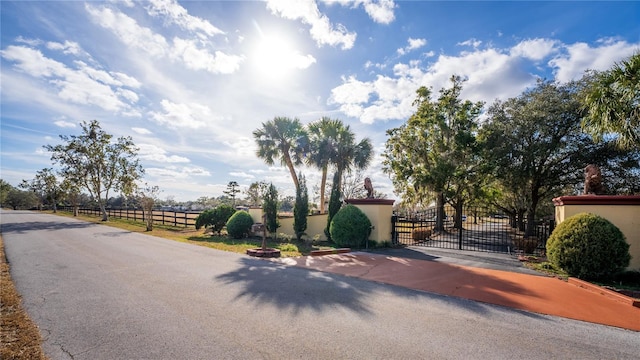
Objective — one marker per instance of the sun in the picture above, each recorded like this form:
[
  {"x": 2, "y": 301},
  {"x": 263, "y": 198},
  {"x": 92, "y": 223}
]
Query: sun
[{"x": 274, "y": 56}]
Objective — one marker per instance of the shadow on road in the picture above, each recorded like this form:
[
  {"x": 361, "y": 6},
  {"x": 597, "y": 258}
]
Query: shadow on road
[
  {"x": 21, "y": 227},
  {"x": 290, "y": 288}
]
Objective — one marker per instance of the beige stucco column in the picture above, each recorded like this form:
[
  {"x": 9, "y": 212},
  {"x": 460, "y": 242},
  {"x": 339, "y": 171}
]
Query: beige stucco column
[
  {"x": 379, "y": 212},
  {"x": 622, "y": 211}
]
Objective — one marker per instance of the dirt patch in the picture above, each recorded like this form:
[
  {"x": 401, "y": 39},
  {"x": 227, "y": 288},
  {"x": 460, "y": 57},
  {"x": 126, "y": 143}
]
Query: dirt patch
[{"x": 19, "y": 336}]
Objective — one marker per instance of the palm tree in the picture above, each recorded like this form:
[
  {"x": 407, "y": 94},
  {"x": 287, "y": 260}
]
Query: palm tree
[
  {"x": 284, "y": 139},
  {"x": 349, "y": 155},
  {"x": 323, "y": 135},
  {"x": 612, "y": 100}
]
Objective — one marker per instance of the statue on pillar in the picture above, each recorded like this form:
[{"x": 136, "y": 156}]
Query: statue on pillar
[
  {"x": 369, "y": 187},
  {"x": 593, "y": 180}
]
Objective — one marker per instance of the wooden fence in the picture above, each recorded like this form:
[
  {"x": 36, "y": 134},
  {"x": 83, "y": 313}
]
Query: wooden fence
[{"x": 164, "y": 217}]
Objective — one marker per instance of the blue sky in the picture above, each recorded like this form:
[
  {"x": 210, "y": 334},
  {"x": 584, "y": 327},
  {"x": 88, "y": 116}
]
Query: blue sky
[{"x": 189, "y": 81}]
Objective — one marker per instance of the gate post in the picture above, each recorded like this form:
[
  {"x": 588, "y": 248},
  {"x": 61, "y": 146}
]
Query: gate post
[{"x": 379, "y": 211}]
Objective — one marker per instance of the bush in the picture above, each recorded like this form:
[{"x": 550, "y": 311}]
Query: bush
[
  {"x": 588, "y": 246},
  {"x": 421, "y": 234},
  {"x": 215, "y": 218},
  {"x": 350, "y": 227},
  {"x": 239, "y": 224},
  {"x": 301, "y": 208}
]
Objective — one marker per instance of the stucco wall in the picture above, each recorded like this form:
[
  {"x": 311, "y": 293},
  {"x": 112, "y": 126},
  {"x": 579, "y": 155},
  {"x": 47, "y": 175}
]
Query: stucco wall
[
  {"x": 315, "y": 224},
  {"x": 622, "y": 211},
  {"x": 379, "y": 212}
]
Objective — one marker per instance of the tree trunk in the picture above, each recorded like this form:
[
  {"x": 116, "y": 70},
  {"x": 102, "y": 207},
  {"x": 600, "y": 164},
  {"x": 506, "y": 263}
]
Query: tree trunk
[
  {"x": 531, "y": 218},
  {"x": 440, "y": 212},
  {"x": 103, "y": 209},
  {"x": 289, "y": 163},
  {"x": 75, "y": 210},
  {"x": 458, "y": 216},
  {"x": 323, "y": 184},
  {"x": 520, "y": 219}
]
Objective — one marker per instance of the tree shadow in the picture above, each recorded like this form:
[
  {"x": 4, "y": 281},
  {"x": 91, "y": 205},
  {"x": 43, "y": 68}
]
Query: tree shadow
[
  {"x": 429, "y": 280},
  {"x": 294, "y": 289},
  {"x": 21, "y": 227}
]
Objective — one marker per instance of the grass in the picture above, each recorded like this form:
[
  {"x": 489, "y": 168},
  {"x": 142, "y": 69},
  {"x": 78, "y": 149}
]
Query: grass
[
  {"x": 288, "y": 248},
  {"x": 19, "y": 336}
]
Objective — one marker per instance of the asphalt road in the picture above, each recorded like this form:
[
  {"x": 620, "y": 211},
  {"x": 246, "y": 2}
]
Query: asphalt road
[{"x": 98, "y": 292}]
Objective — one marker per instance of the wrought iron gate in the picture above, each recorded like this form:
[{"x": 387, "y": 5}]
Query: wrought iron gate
[{"x": 481, "y": 230}]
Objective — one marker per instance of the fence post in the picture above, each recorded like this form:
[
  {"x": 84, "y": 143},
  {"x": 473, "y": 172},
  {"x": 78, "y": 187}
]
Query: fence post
[{"x": 460, "y": 237}]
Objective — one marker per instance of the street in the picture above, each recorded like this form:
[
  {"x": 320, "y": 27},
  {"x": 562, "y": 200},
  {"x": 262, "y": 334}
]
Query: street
[{"x": 98, "y": 292}]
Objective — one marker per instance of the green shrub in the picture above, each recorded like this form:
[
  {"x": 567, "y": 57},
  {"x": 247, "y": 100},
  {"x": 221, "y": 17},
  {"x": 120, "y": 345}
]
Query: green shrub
[
  {"x": 301, "y": 208},
  {"x": 350, "y": 227},
  {"x": 588, "y": 246},
  {"x": 239, "y": 224},
  {"x": 334, "y": 205},
  {"x": 215, "y": 218}
]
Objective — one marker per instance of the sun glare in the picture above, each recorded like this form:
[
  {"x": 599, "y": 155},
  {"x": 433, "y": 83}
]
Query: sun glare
[{"x": 275, "y": 57}]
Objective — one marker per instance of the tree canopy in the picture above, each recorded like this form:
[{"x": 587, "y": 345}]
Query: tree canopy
[
  {"x": 282, "y": 139},
  {"x": 535, "y": 147},
  {"x": 96, "y": 163},
  {"x": 435, "y": 151},
  {"x": 612, "y": 101}
]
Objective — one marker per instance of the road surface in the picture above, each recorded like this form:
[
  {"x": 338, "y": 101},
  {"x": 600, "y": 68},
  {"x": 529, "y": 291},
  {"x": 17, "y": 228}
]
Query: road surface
[{"x": 98, "y": 292}]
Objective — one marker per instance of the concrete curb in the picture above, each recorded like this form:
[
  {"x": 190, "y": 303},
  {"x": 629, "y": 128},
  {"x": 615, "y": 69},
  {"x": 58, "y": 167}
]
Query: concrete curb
[
  {"x": 606, "y": 292},
  {"x": 329, "y": 252}
]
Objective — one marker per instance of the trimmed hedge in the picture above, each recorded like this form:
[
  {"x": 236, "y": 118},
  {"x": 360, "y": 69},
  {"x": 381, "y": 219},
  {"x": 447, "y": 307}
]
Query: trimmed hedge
[
  {"x": 239, "y": 224},
  {"x": 350, "y": 227},
  {"x": 588, "y": 246}
]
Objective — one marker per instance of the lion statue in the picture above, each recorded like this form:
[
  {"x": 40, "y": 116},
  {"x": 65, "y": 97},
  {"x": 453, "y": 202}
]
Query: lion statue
[
  {"x": 369, "y": 187},
  {"x": 593, "y": 180}
]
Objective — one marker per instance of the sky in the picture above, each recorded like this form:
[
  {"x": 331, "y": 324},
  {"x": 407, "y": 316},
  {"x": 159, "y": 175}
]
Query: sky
[{"x": 189, "y": 81}]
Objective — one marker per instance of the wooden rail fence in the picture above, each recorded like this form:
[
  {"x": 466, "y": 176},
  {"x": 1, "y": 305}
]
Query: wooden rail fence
[{"x": 164, "y": 217}]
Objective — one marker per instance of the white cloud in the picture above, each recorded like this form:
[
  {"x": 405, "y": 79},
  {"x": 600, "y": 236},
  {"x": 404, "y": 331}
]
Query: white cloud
[
  {"x": 534, "y": 49},
  {"x": 177, "y": 116},
  {"x": 570, "y": 65},
  {"x": 69, "y": 47},
  {"x": 128, "y": 30},
  {"x": 241, "y": 174},
  {"x": 64, "y": 124},
  {"x": 471, "y": 42},
  {"x": 33, "y": 62},
  {"x": 412, "y": 45},
  {"x": 200, "y": 59},
  {"x": 172, "y": 173},
  {"x": 391, "y": 97},
  {"x": 184, "y": 50},
  {"x": 141, "y": 131},
  {"x": 174, "y": 13},
  {"x": 155, "y": 153},
  {"x": 30, "y": 42},
  {"x": 491, "y": 74},
  {"x": 380, "y": 11},
  {"x": 84, "y": 85},
  {"x": 322, "y": 30}
]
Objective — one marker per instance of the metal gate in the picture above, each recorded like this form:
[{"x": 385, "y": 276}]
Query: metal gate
[{"x": 481, "y": 230}]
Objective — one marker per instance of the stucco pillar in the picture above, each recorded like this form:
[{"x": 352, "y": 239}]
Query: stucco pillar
[
  {"x": 379, "y": 212},
  {"x": 623, "y": 211}
]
